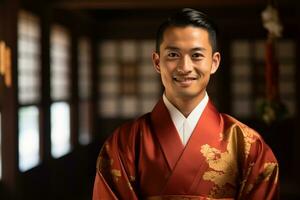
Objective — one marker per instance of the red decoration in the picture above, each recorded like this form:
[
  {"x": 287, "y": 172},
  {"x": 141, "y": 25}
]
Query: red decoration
[{"x": 271, "y": 72}]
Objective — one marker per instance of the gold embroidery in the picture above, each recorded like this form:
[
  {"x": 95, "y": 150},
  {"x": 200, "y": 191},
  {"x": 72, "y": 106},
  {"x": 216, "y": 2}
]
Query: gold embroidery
[
  {"x": 248, "y": 134},
  {"x": 249, "y": 188},
  {"x": 129, "y": 185},
  {"x": 221, "y": 135},
  {"x": 241, "y": 133},
  {"x": 268, "y": 170},
  {"x": 116, "y": 174},
  {"x": 170, "y": 197},
  {"x": 223, "y": 166},
  {"x": 132, "y": 178},
  {"x": 103, "y": 161},
  {"x": 107, "y": 147},
  {"x": 243, "y": 183},
  {"x": 223, "y": 169}
]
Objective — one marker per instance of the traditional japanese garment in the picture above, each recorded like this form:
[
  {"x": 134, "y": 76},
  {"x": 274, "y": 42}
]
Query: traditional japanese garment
[
  {"x": 185, "y": 125},
  {"x": 223, "y": 159}
]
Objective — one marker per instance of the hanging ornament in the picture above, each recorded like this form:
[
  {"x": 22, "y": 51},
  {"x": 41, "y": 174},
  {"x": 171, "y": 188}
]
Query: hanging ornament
[
  {"x": 272, "y": 109},
  {"x": 271, "y": 22}
]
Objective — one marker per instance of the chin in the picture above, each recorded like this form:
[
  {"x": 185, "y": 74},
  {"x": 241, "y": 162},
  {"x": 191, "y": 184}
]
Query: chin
[{"x": 188, "y": 94}]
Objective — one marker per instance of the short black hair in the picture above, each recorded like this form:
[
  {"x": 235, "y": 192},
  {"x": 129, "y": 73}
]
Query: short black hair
[{"x": 189, "y": 17}]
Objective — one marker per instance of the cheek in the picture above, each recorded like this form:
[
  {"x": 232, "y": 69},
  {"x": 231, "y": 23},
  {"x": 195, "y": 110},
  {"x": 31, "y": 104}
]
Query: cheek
[
  {"x": 204, "y": 67},
  {"x": 166, "y": 78},
  {"x": 164, "y": 75},
  {"x": 169, "y": 65},
  {"x": 168, "y": 68}
]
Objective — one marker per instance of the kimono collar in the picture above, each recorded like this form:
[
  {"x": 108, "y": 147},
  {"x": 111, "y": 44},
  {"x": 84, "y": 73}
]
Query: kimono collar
[
  {"x": 208, "y": 126},
  {"x": 179, "y": 119}
]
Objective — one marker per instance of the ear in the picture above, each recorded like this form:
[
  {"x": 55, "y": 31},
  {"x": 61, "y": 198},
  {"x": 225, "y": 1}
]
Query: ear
[
  {"x": 155, "y": 61},
  {"x": 216, "y": 59}
]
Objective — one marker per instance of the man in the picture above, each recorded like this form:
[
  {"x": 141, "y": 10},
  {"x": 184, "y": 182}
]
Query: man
[{"x": 184, "y": 148}]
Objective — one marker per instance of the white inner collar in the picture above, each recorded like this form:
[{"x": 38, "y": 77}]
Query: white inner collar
[{"x": 181, "y": 122}]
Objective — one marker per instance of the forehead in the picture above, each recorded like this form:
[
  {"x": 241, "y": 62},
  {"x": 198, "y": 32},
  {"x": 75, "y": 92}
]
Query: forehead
[{"x": 185, "y": 37}]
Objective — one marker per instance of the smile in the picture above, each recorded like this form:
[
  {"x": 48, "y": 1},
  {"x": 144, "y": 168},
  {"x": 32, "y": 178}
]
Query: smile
[{"x": 184, "y": 79}]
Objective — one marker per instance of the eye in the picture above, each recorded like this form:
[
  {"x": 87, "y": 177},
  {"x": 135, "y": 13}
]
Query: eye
[
  {"x": 197, "y": 56},
  {"x": 173, "y": 55}
]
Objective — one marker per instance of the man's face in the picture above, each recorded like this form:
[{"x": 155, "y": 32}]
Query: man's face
[{"x": 185, "y": 62}]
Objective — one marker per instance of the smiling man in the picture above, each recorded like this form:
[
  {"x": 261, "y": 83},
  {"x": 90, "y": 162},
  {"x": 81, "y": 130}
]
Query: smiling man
[
  {"x": 185, "y": 148},
  {"x": 185, "y": 61}
]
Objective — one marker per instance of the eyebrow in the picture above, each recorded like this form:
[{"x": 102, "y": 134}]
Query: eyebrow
[{"x": 177, "y": 49}]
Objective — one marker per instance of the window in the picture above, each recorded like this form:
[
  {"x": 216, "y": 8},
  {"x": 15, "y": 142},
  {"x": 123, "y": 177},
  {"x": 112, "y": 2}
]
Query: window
[
  {"x": 29, "y": 83},
  {"x": 60, "y": 129},
  {"x": 60, "y": 90},
  {"x": 109, "y": 79},
  {"x": 287, "y": 71},
  {"x": 241, "y": 84},
  {"x": 128, "y": 83},
  {"x": 28, "y": 137},
  {"x": 85, "y": 83},
  {"x": 128, "y": 86},
  {"x": 248, "y": 75},
  {"x": 60, "y": 61},
  {"x": 149, "y": 81}
]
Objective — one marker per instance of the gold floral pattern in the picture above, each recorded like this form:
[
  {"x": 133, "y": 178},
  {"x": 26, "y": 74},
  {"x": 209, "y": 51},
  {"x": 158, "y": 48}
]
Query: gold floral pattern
[
  {"x": 116, "y": 174},
  {"x": 269, "y": 168},
  {"x": 244, "y": 181},
  {"x": 249, "y": 139},
  {"x": 132, "y": 178},
  {"x": 223, "y": 166},
  {"x": 105, "y": 164},
  {"x": 223, "y": 170}
]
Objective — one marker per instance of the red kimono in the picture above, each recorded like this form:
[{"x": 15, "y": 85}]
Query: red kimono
[{"x": 223, "y": 159}]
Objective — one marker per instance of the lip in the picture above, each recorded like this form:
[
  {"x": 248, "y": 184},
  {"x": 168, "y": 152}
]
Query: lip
[{"x": 184, "y": 81}]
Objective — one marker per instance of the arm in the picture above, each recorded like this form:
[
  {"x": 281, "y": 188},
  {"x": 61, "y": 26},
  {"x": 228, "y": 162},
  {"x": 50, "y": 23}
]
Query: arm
[
  {"x": 260, "y": 176},
  {"x": 101, "y": 189},
  {"x": 112, "y": 180}
]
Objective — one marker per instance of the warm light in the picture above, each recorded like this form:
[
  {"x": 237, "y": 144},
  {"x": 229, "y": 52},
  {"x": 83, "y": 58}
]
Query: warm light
[
  {"x": 28, "y": 138},
  {"x": 60, "y": 129}
]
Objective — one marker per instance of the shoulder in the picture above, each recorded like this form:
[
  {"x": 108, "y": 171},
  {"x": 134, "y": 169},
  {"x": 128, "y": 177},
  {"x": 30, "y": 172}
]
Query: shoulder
[
  {"x": 131, "y": 128},
  {"x": 127, "y": 134},
  {"x": 239, "y": 127},
  {"x": 251, "y": 142}
]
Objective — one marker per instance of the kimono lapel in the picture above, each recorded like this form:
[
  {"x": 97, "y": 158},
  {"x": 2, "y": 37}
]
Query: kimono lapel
[
  {"x": 191, "y": 162},
  {"x": 166, "y": 133}
]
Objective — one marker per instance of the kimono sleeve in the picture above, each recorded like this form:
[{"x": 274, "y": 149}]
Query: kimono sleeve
[
  {"x": 260, "y": 176},
  {"x": 112, "y": 181}
]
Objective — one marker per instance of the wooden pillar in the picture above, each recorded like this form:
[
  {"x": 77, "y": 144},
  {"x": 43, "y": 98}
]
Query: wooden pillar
[
  {"x": 10, "y": 172},
  {"x": 74, "y": 85},
  {"x": 94, "y": 98},
  {"x": 45, "y": 121}
]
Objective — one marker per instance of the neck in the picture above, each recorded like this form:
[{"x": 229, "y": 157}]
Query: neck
[{"x": 186, "y": 105}]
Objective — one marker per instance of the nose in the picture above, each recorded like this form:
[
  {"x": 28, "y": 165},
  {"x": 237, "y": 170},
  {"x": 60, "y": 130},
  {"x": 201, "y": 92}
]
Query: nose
[{"x": 185, "y": 65}]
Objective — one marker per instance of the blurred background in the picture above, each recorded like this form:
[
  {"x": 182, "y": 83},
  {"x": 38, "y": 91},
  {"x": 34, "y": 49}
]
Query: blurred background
[{"x": 71, "y": 71}]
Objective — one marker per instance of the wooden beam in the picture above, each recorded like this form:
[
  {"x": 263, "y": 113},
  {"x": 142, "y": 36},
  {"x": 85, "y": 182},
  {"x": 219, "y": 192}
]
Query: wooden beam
[{"x": 147, "y": 4}]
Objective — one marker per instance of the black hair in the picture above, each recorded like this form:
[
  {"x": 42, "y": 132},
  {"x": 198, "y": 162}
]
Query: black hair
[{"x": 189, "y": 17}]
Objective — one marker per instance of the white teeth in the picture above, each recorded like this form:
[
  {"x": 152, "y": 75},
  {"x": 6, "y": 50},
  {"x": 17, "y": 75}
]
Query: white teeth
[{"x": 181, "y": 79}]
